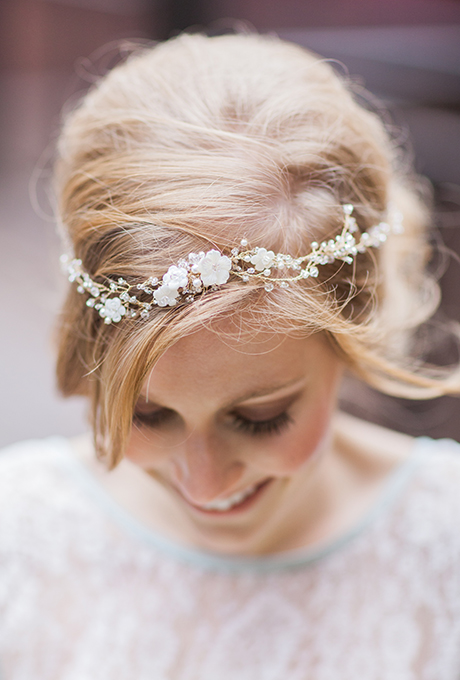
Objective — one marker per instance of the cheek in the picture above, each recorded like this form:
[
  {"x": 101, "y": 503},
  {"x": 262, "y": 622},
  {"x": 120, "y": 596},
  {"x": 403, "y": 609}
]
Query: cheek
[
  {"x": 142, "y": 449},
  {"x": 300, "y": 443}
]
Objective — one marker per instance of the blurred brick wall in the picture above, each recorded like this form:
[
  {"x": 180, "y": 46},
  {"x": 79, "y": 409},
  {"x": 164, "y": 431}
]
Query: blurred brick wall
[
  {"x": 44, "y": 34},
  {"x": 271, "y": 15}
]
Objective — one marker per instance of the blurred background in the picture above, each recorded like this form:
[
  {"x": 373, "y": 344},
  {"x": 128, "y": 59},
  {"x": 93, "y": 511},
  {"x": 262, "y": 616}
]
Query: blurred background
[{"x": 407, "y": 52}]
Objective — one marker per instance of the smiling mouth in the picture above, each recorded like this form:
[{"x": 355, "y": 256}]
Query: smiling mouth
[{"x": 238, "y": 501}]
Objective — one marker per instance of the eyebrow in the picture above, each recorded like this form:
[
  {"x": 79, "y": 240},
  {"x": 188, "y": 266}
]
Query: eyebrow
[
  {"x": 256, "y": 394},
  {"x": 267, "y": 391}
]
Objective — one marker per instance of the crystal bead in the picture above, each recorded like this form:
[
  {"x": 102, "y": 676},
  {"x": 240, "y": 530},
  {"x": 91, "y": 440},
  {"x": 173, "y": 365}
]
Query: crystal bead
[
  {"x": 348, "y": 208},
  {"x": 245, "y": 278},
  {"x": 269, "y": 287},
  {"x": 145, "y": 314},
  {"x": 94, "y": 291},
  {"x": 251, "y": 270},
  {"x": 235, "y": 251},
  {"x": 124, "y": 297},
  {"x": 195, "y": 258},
  {"x": 267, "y": 272},
  {"x": 305, "y": 273},
  {"x": 90, "y": 302},
  {"x": 284, "y": 284},
  {"x": 314, "y": 271},
  {"x": 80, "y": 289},
  {"x": 352, "y": 226}
]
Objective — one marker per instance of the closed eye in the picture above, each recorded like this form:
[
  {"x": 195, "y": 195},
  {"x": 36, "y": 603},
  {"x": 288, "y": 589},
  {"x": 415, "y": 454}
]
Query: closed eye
[
  {"x": 256, "y": 428},
  {"x": 155, "y": 418}
]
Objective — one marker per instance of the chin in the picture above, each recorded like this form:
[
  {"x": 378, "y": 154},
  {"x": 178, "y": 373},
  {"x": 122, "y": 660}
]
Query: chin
[
  {"x": 247, "y": 531},
  {"x": 231, "y": 541}
]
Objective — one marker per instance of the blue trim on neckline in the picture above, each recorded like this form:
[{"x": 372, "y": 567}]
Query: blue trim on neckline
[{"x": 291, "y": 559}]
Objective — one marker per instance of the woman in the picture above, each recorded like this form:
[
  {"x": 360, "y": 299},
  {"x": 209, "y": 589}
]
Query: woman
[{"x": 239, "y": 231}]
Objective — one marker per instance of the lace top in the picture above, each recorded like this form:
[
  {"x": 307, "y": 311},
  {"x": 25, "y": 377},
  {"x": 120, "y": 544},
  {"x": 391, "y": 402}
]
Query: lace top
[{"x": 88, "y": 593}]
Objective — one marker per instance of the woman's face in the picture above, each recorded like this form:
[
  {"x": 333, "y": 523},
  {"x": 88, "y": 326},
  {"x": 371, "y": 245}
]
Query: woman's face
[{"x": 233, "y": 429}]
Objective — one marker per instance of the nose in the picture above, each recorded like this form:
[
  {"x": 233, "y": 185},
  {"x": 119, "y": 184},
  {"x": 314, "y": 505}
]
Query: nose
[{"x": 203, "y": 469}]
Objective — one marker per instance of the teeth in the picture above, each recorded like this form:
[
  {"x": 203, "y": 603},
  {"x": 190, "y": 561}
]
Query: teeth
[{"x": 227, "y": 503}]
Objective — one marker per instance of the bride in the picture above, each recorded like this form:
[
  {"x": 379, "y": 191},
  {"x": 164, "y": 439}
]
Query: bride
[{"x": 239, "y": 233}]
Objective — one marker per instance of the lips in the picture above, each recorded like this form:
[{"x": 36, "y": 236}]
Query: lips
[
  {"x": 236, "y": 502},
  {"x": 224, "y": 504}
]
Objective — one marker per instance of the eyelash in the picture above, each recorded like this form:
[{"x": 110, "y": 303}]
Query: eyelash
[
  {"x": 258, "y": 428},
  {"x": 254, "y": 428},
  {"x": 154, "y": 419}
]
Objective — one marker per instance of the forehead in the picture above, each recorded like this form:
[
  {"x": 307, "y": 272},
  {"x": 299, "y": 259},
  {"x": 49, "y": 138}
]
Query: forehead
[{"x": 217, "y": 365}]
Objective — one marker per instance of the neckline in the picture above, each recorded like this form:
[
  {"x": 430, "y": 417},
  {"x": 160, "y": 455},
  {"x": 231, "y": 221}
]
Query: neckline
[{"x": 286, "y": 560}]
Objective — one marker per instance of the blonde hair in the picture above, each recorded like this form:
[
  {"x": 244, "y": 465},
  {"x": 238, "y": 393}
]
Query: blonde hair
[{"x": 198, "y": 142}]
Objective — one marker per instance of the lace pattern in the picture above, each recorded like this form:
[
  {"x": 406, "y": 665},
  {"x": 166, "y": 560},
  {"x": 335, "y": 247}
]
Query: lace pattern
[{"x": 83, "y": 598}]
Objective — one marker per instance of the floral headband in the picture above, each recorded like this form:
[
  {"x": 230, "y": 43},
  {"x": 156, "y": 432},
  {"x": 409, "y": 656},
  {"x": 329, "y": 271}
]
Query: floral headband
[{"x": 199, "y": 272}]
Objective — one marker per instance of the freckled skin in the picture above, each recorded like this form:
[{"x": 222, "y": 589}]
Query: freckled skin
[{"x": 199, "y": 455}]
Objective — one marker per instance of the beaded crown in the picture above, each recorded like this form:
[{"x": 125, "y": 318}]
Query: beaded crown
[{"x": 199, "y": 272}]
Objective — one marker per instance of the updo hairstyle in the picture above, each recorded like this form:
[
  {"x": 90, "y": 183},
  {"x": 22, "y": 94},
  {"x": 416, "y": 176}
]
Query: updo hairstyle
[{"x": 198, "y": 142}]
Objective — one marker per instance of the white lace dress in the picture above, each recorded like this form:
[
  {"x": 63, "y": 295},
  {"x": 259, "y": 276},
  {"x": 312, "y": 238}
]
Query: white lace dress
[{"x": 88, "y": 593}]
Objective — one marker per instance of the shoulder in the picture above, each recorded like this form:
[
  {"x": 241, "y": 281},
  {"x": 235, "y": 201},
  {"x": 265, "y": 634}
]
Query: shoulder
[
  {"x": 29, "y": 466},
  {"x": 423, "y": 473},
  {"x": 438, "y": 467},
  {"x": 429, "y": 514},
  {"x": 39, "y": 494}
]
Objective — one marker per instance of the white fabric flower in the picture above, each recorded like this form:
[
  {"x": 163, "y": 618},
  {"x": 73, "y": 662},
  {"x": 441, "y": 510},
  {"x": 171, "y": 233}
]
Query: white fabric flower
[
  {"x": 176, "y": 277},
  {"x": 166, "y": 296},
  {"x": 214, "y": 268},
  {"x": 263, "y": 259},
  {"x": 112, "y": 310}
]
